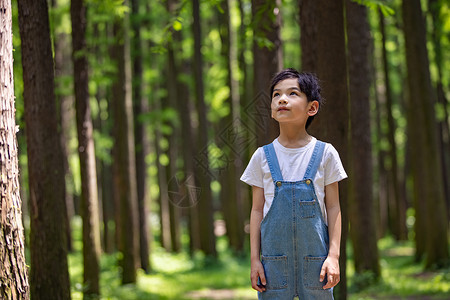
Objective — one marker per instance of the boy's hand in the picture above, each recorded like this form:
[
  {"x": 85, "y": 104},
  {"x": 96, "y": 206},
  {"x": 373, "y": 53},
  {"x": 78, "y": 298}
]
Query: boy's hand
[
  {"x": 257, "y": 271},
  {"x": 330, "y": 267}
]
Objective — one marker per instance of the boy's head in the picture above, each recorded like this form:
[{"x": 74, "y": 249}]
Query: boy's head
[{"x": 307, "y": 82}]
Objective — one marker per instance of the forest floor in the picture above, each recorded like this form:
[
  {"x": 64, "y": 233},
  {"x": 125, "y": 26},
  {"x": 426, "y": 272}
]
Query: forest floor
[{"x": 179, "y": 276}]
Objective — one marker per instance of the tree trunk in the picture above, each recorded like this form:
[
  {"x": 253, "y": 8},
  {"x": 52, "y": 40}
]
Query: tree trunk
[
  {"x": 124, "y": 154},
  {"x": 426, "y": 167},
  {"x": 86, "y": 152},
  {"x": 13, "y": 271},
  {"x": 49, "y": 271},
  {"x": 164, "y": 210},
  {"x": 397, "y": 205},
  {"x": 205, "y": 207},
  {"x": 361, "y": 204},
  {"x": 141, "y": 143},
  {"x": 444, "y": 131},
  {"x": 308, "y": 34},
  {"x": 229, "y": 128},
  {"x": 173, "y": 137},
  {"x": 267, "y": 57},
  {"x": 331, "y": 124},
  {"x": 65, "y": 117}
]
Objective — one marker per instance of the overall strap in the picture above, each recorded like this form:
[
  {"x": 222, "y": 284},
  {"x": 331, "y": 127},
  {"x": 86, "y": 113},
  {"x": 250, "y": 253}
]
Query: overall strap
[
  {"x": 272, "y": 160},
  {"x": 316, "y": 158}
]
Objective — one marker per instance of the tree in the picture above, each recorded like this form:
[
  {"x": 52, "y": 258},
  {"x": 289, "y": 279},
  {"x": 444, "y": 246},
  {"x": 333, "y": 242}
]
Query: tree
[
  {"x": 434, "y": 7},
  {"x": 205, "y": 209},
  {"x": 230, "y": 193},
  {"x": 268, "y": 60},
  {"x": 13, "y": 271},
  {"x": 124, "y": 153},
  {"x": 331, "y": 124},
  {"x": 64, "y": 103},
  {"x": 422, "y": 131},
  {"x": 361, "y": 204},
  {"x": 89, "y": 193},
  {"x": 139, "y": 107},
  {"x": 397, "y": 205},
  {"x": 49, "y": 276}
]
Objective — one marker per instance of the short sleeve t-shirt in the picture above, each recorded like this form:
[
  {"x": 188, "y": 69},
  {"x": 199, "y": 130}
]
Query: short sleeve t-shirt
[{"x": 293, "y": 163}]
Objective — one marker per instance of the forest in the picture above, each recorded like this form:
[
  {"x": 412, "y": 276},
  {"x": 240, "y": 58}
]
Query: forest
[{"x": 126, "y": 125}]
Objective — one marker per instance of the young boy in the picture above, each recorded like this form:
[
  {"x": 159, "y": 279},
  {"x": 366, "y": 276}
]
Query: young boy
[{"x": 295, "y": 222}]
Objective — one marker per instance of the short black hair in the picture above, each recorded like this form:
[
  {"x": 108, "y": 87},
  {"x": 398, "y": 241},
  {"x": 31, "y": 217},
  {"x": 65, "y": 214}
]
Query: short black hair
[{"x": 308, "y": 83}]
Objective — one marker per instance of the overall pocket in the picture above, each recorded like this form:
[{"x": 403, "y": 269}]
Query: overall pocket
[
  {"x": 307, "y": 209},
  {"x": 275, "y": 269},
  {"x": 311, "y": 272}
]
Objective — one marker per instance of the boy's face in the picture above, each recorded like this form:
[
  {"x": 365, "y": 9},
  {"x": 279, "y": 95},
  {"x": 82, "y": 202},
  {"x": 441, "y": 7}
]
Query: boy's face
[{"x": 290, "y": 104}]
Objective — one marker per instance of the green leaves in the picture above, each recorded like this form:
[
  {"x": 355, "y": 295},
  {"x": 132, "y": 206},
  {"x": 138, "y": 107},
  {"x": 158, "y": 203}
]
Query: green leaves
[{"x": 375, "y": 4}]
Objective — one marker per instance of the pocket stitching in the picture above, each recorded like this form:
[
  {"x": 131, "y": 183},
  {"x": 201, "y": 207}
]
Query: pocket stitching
[
  {"x": 281, "y": 283},
  {"x": 310, "y": 283}
]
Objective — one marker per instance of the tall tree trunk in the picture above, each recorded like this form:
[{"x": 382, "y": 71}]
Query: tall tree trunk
[
  {"x": 308, "y": 34},
  {"x": 86, "y": 152},
  {"x": 49, "y": 274},
  {"x": 426, "y": 167},
  {"x": 173, "y": 98},
  {"x": 65, "y": 117},
  {"x": 141, "y": 143},
  {"x": 229, "y": 128},
  {"x": 267, "y": 62},
  {"x": 331, "y": 124},
  {"x": 124, "y": 154},
  {"x": 173, "y": 138},
  {"x": 397, "y": 205},
  {"x": 205, "y": 207},
  {"x": 361, "y": 204},
  {"x": 164, "y": 201},
  {"x": 444, "y": 131},
  {"x": 13, "y": 271},
  {"x": 245, "y": 90}
]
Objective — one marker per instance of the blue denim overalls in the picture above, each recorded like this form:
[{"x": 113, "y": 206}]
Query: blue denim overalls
[{"x": 294, "y": 236}]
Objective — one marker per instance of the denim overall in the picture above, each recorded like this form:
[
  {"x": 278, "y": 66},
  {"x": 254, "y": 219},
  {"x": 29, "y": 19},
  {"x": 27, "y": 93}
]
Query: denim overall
[{"x": 294, "y": 236}]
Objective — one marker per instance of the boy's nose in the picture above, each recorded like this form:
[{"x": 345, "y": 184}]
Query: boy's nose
[{"x": 282, "y": 100}]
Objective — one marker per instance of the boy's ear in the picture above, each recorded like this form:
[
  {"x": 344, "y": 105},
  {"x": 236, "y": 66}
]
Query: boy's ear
[{"x": 313, "y": 108}]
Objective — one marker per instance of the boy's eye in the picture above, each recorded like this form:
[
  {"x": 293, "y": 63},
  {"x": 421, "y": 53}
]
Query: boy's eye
[
  {"x": 275, "y": 95},
  {"x": 293, "y": 93}
]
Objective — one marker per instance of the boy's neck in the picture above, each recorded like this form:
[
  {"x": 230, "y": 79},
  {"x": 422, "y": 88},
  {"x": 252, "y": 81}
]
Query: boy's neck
[{"x": 292, "y": 137}]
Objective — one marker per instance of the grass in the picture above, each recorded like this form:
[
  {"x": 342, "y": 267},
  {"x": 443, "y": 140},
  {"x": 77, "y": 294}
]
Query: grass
[{"x": 178, "y": 276}]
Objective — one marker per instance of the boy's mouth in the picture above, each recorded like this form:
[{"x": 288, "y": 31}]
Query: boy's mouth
[{"x": 283, "y": 108}]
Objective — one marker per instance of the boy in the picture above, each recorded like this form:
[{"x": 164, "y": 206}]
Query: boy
[{"x": 295, "y": 222}]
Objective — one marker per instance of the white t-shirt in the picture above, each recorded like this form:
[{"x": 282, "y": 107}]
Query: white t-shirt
[{"x": 293, "y": 163}]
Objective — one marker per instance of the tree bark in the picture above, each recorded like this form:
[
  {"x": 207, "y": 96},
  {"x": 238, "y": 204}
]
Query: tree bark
[
  {"x": 124, "y": 153},
  {"x": 444, "y": 131},
  {"x": 267, "y": 57},
  {"x": 13, "y": 271},
  {"x": 49, "y": 274},
  {"x": 140, "y": 134},
  {"x": 331, "y": 124},
  {"x": 426, "y": 167},
  {"x": 86, "y": 152},
  {"x": 361, "y": 204},
  {"x": 397, "y": 204},
  {"x": 308, "y": 34},
  {"x": 65, "y": 117},
  {"x": 205, "y": 207},
  {"x": 230, "y": 195}
]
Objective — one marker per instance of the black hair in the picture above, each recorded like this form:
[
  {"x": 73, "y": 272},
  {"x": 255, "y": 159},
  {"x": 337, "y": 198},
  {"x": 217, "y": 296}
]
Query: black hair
[{"x": 308, "y": 83}]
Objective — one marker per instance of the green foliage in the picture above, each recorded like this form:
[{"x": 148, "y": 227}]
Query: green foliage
[
  {"x": 401, "y": 276},
  {"x": 377, "y": 4}
]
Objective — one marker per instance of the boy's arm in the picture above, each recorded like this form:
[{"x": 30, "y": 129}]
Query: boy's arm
[
  {"x": 256, "y": 216},
  {"x": 331, "y": 264}
]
